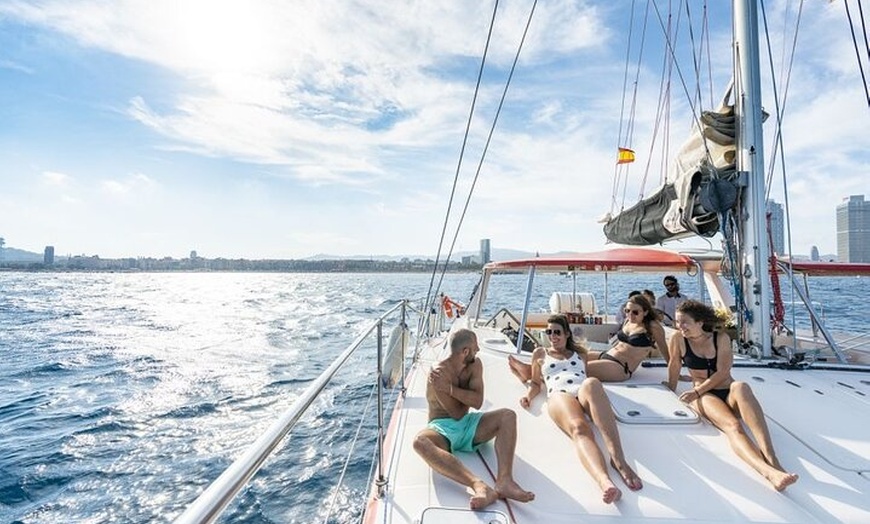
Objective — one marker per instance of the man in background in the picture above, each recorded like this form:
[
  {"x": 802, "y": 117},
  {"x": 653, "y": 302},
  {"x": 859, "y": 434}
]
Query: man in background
[{"x": 668, "y": 302}]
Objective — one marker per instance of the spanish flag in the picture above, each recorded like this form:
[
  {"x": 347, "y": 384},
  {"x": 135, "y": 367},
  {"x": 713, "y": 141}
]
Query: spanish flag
[{"x": 626, "y": 156}]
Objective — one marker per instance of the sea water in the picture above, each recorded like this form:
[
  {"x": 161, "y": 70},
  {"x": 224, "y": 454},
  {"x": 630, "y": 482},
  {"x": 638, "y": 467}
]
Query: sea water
[{"x": 123, "y": 395}]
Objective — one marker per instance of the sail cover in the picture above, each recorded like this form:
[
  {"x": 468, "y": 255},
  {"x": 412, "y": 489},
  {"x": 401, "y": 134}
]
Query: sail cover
[{"x": 703, "y": 184}]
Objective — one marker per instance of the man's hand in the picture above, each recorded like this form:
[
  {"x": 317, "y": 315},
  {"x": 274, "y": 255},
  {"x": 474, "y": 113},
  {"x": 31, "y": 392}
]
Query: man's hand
[{"x": 440, "y": 381}]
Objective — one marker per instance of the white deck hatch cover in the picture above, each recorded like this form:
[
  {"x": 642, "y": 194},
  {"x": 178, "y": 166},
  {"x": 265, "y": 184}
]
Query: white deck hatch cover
[
  {"x": 648, "y": 404},
  {"x": 438, "y": 515}
]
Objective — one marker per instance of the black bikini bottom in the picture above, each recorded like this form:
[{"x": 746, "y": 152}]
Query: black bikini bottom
[
  {"x": 721, "y": 393},
  {"x": 607, "y": 356}
]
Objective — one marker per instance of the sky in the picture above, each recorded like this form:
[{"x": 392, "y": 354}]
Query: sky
[{"x": 276, "y": 129}]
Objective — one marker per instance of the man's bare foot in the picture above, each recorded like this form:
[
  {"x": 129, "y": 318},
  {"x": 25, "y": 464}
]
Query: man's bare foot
[
  {"x": 511, "y": 490},
  {"x": 628, "y": 475},
  {"x": 483, "y": 496},
  {"x": 782, "y": 480},
  {"x": 520, "y": 369},
  {"x": 611, "y": 495}
]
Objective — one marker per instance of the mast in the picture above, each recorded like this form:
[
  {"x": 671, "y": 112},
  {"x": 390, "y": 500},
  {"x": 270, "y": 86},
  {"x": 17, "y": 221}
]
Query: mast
[{"x": 750, "y": 163}]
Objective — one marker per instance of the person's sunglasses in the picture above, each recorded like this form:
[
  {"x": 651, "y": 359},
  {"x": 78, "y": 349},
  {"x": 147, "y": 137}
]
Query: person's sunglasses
[
  {"x": 557, "y": 332},
  {"x": 632, "y": 311},
  {"x": 670, "y": 284}
]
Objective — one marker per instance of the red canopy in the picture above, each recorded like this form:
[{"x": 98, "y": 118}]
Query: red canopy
[{"x": 618, "y": 259}]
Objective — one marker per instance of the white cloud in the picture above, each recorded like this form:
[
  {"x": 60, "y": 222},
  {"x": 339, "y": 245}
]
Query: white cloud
[{"x": 53, "y": 178}]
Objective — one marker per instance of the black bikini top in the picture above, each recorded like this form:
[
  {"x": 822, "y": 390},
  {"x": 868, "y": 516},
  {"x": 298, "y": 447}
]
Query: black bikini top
[
  {"x": 635, "y": 339},
  {"x": 693, "y": 361}
]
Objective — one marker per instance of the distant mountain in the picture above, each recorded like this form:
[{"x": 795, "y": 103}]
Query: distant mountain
[
  {"x": 497, "y": 256},
  {"x": 11, "y": 254}
]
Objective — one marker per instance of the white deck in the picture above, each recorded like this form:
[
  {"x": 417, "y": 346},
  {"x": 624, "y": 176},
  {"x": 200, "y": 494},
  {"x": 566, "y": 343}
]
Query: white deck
[{"x": 688, "y": 468}]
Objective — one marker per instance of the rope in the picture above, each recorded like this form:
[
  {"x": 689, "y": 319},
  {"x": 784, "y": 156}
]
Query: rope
[{"x": 778, "y": 313}]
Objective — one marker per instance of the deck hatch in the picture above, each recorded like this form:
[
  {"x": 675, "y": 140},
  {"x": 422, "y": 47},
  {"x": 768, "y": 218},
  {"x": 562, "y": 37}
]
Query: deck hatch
[{"x": 648, "y": 404}]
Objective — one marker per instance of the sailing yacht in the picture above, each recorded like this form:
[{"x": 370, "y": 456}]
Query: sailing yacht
[{"x": 813, "y": 392}]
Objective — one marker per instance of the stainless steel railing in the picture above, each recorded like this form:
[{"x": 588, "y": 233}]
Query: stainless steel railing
[{"x": 211, "y": 503}]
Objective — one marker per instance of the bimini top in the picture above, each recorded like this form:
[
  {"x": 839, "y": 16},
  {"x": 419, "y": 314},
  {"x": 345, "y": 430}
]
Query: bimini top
[{"x": 618, "y": 259}]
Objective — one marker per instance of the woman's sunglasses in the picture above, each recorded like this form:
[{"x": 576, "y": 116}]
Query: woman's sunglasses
[
  {"x": 632, "y": 311},
  {"x": 557, "y": 332}
]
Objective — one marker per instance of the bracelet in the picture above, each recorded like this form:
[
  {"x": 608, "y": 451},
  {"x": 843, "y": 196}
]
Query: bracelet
[{"x": 697, "y": 392}]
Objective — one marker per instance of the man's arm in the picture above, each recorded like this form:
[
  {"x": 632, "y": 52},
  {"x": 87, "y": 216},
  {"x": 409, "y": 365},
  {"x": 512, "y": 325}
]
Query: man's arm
[
  {"x": 442, "y": 386},
  {"x": 472, "y": 395}
]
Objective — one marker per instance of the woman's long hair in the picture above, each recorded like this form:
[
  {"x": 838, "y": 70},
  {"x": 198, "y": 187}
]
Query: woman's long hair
[
  {"x": 650, "y": 313},
  {"x": 701, "y": 312},
  {"x": 571, "y": 344}
]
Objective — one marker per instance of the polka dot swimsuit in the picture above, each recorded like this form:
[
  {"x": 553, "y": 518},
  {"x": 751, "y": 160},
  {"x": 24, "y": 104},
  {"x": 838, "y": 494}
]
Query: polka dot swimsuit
[{"x": 563, "y": 376}]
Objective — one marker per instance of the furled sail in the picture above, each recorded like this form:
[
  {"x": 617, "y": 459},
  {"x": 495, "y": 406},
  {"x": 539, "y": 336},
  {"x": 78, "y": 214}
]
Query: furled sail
[{"x": 702, "y": 185}]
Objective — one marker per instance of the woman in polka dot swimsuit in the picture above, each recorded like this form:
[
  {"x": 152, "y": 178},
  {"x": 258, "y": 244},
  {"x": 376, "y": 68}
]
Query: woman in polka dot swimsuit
[{"x": 571, "y": 397}]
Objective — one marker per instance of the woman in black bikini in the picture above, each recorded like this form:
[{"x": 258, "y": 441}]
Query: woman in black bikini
[
  {"x": 716, "y": 395},
  {"x": 639, "y": 335}
]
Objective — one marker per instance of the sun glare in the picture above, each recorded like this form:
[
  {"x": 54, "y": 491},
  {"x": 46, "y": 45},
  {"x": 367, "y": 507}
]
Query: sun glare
[{"x": 222, "y": 37}]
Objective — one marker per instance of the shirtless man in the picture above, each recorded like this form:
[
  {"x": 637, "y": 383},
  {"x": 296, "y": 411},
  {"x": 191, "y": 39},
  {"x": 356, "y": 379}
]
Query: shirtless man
[{"x": 455, "y": 385}]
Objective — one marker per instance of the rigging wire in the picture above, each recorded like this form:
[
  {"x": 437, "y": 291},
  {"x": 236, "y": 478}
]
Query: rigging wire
[
  {"x": 430, "y": 293},
  {"x": 662, "y": 115},
  {"x": 489, "y": 136},
  {"x": 695, "y": 114},
  {"x": 344, "y": 467},
  {"x": 705, "y": 38},
  {"x": 619, "y": 141},
  {"x": 633, "y": 116},
  {"x": 778, "y": 147},
  {"x": 695, "y": 60},
  {"x": 864, "y": 29},
  {"x": 855, "y": 43}
]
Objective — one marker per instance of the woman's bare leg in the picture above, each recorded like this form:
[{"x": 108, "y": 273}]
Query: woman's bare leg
[
  {"x": 743, "y": 401},
  {"x": 520, "y": 369},
  {"x": 568, "y": 415},
  {"x": 723, "y": 418},
  {"x": 595, "y": 402}
]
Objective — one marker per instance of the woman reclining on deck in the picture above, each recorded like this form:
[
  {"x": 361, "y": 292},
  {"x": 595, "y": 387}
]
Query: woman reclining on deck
[
  {"x": 716, "y": 395},
  {"x": 639, "y": 335},
  {"x": 571, "y": 398}
]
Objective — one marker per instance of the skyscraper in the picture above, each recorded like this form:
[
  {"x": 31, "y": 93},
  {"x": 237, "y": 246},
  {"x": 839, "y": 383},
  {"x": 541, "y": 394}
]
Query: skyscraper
[
  {"x": 814, "y": 254},
  {"x": 777, "y": 226},
  {"x": 48, "y": 256},
  {"x": 485, "y": 252},
  {"x": 853, "y": 230}
]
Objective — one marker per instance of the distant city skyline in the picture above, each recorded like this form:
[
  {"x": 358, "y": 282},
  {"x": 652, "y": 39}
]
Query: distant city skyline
[
  {"x": 853, "y": 230},
  {"x": 143, "y": 129},
  {"x": 465, "y": 257}
]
